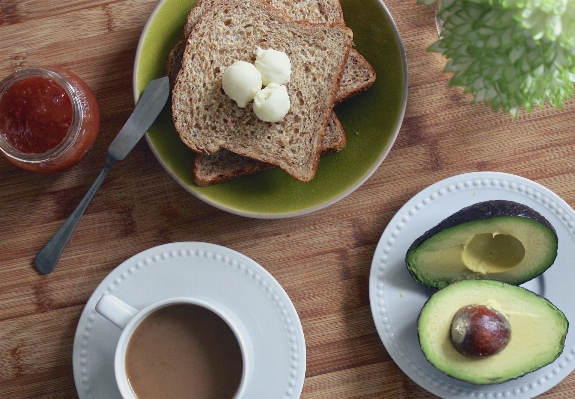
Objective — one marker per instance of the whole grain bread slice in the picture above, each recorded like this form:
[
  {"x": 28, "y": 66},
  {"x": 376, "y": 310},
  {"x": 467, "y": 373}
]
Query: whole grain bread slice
[
  {"x": 334, "y": 138},
  {"x": 207, "y": 120},
  {"x": 358, "y": 74},
  {"x": 225, "y": 165},
  {"x": 312, "y": 11},
  {"x": 357, "y": 77}
]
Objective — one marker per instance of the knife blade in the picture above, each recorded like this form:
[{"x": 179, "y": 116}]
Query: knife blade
[{"x": 145, "y": 113}]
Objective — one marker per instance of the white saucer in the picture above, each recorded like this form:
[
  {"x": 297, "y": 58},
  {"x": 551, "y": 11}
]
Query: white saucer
[
  {"x": 192, "y": 268},
  {"x": 396, "y": 299}
]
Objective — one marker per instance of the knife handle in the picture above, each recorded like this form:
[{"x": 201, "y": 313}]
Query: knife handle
[{"x": 48, "y": 257}]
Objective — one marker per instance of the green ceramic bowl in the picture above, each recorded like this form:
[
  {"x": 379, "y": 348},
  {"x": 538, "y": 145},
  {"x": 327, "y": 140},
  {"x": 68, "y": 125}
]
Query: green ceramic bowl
[{"x": 371, "y": 120}]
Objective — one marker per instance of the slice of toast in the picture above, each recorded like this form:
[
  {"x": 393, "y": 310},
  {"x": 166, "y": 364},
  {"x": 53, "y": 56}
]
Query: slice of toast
[
  {"x": 225, "y": 165},
  {"x": 312, "y": 11},
  {"x": 207, "y": 120},
  {"x": 358, "y": 75},
  {"x": 174, "y": 62}
]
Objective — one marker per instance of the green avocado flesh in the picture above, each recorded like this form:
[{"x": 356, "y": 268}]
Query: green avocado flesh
[
  {"x": 538, "y": 331},
  {"x": 495, "y": 240}
]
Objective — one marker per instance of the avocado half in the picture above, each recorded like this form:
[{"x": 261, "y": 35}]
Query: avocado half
[
  {"x": 538, "y": 331},
  {"x": 497, "y": 240}
]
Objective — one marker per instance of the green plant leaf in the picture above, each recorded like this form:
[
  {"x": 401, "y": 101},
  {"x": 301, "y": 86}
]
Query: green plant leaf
[{"x": 510, "y": 54}]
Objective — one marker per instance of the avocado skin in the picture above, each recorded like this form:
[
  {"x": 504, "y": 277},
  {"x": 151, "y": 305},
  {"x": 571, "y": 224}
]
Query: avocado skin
[
  {"x": 471, "y": 285},
  {"x": 483, "y": 211},
  {"x": 477, "y": 212}
]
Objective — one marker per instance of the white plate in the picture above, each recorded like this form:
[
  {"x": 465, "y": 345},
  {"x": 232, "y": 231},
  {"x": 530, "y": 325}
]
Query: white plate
[
  {"x": 396, "y": 298},
  {"x": 192, "y": 268}
]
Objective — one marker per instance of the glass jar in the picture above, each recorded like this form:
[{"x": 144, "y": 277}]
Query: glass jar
[{"x": 49, "y": 119}]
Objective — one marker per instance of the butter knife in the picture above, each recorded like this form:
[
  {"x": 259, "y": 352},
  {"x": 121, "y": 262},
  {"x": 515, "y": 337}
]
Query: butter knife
[{"x": 147, "y": 110}]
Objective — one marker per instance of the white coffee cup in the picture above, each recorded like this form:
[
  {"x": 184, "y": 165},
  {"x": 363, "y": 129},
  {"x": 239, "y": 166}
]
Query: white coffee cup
[{"x": 128, "y": 319}]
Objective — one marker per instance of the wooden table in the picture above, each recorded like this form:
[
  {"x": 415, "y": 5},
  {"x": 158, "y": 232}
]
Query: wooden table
[{"x": 139, "y": 206}]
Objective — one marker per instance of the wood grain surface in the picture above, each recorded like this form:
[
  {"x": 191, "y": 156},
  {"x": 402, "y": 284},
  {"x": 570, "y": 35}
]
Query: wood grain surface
[{"x": 322, "y": 260}]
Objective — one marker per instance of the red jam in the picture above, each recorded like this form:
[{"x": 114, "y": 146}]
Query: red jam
[
  {"x": 35, "y": 115},
  {"x": 49, "y": 119}
]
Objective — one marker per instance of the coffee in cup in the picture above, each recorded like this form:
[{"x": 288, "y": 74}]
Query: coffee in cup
[{"x": 179, "y": 348}]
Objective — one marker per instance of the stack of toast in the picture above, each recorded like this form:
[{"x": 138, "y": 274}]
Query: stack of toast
[{"x": 231, "y": 141}]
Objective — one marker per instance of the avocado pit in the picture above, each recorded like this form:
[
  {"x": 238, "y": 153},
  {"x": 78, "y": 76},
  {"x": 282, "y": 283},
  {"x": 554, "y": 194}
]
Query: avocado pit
[
  {"x": 478, "y": 331},
  {"x": 537, "y": 331}
]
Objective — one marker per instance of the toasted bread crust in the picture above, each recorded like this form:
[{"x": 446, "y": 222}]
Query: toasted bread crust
[
  {"x": 208, "y": 170},
  {"x": 358, "y": 76},
  {"x": 207, "y": 120},
  {"x": 174, "y": 62},
  {"x": 225, "y": 165},
  {"x": 312, "y": 11}
]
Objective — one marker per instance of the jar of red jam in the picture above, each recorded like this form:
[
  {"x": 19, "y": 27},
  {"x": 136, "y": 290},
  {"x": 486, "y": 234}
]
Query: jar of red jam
[{"x": 49, "y": 119}]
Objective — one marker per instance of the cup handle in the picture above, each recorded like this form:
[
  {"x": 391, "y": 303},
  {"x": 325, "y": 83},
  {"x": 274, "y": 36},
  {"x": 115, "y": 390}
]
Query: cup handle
[{"x": 113, "y": 309}]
